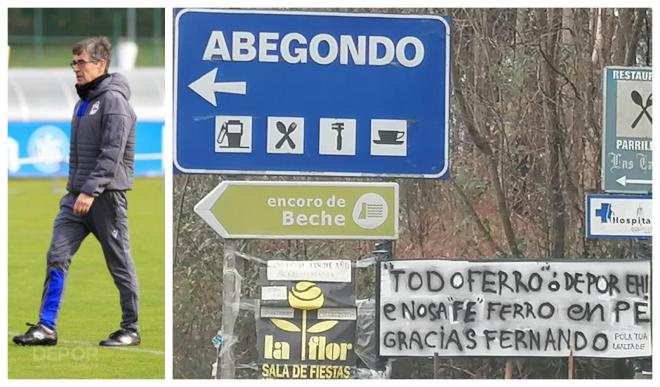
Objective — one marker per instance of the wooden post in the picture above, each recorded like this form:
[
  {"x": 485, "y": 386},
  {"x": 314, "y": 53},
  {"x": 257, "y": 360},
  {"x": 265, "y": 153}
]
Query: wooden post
[
  {"x": 508, "y": 369},
  {"x": 435, "y": 365},
  {"x": 571, "y": 364}
]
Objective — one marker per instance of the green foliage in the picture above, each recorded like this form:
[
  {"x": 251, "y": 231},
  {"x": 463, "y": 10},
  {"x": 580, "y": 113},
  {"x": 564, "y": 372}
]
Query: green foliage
[{"x": 474, "y": 186}]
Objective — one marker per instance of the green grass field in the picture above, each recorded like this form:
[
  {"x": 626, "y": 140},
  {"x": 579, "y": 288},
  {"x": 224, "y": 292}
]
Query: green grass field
[{"x": 90, "y": 309}]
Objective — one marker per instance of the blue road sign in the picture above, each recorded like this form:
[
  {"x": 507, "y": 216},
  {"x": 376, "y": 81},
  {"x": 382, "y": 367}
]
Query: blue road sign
[{"x": 293, "y": 93}]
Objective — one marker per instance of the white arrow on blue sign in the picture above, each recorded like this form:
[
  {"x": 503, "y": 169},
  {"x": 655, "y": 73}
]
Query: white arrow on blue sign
[
  {"x": 206, "y": 87},
  {"x": 294, "y": 93}
]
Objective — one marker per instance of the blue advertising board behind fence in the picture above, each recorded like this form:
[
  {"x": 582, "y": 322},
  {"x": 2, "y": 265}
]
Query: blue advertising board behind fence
[
  {"x": 41, "y": 149},
  {"x": 265, "y": 92}
]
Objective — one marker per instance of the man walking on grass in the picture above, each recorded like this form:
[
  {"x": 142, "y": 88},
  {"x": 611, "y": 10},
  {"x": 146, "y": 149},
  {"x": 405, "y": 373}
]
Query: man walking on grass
[{"x": 100, "y": 172}]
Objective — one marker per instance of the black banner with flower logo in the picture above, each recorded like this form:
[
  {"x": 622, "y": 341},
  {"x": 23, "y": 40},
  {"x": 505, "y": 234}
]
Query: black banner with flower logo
[{"x": 305, "y": 338}]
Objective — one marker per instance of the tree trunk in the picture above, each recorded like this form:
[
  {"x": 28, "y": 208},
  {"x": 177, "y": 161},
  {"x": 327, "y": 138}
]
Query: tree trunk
[
  {"x": 551, "y": 104},
  {"x": 474, "y": 120},
  {"x": 631, "y": 49}
]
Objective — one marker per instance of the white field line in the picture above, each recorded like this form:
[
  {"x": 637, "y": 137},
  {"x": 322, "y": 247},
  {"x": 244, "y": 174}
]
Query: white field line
[{"x": 90, "y": 344}]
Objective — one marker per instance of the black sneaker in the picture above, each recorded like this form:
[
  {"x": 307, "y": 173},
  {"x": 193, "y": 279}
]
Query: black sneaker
[
  {"x": 121, "y": 338},
  {"x": 38, "y": 334}
]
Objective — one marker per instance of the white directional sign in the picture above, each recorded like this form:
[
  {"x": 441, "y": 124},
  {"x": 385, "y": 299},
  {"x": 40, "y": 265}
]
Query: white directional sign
[{"x": 618, "y": 216}]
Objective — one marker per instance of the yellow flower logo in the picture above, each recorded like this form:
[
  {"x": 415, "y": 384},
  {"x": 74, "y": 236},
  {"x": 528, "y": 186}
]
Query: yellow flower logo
[{"x": 305, "y": 296}]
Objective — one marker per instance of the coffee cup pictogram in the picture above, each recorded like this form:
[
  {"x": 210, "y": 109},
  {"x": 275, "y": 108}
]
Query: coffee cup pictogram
[{"x": 390, "y": 137}]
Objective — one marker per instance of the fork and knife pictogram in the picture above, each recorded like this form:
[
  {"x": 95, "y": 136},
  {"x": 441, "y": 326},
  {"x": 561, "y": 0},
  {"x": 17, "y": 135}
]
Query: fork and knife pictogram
[
  {"x": 639, "y": 101},
  {"x": 286, "y": 134}
]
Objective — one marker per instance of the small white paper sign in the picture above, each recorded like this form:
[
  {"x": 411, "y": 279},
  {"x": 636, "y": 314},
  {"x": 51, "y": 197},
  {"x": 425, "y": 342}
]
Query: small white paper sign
[{"x": 336, "y": 270}]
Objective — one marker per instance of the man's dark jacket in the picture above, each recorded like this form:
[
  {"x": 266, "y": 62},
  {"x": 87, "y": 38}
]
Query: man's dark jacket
[{"x": 103, "y": 139}]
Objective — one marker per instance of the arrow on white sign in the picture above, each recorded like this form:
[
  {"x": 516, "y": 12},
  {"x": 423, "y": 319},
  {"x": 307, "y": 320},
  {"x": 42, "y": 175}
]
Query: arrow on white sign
[
  {"x": 623, "y": 181},
  {"x": 206, "y": 87}
]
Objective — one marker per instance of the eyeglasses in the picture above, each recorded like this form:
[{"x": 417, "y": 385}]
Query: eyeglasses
[{"x": 81, "y": 63}]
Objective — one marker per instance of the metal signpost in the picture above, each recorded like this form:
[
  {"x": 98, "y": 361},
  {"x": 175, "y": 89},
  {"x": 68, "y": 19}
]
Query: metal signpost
[
  {"x": 627, "y": 129},
  {"x": 293, "y": 93},
  {"x": 618, "y": 216},
  {"x": 302, "y": 210}
]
